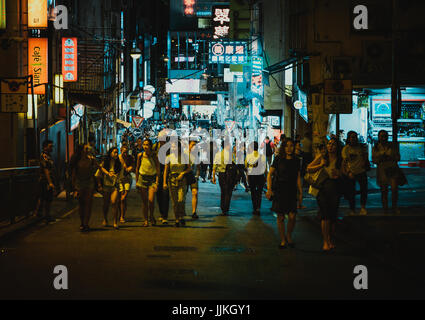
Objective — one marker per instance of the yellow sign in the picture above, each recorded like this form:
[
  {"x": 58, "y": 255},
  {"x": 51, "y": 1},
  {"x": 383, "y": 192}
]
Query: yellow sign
[
  {"x": 2, "y": 14},
  {"x": 37, "y": 63},
  {"x": 37, "y": 14}
]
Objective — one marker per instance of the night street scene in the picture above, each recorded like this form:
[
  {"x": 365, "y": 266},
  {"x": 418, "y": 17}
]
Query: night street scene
[{"x": 212, "y": 155}]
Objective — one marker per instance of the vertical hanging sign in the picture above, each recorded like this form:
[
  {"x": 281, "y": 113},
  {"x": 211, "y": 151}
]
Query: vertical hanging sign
[
  {"x": 221, "y": 21},
  {"x": 37, "y": 63},
  {"x": 37, "y": 14},
  {"x": 189, "y": 7},
  {"x": 2, "y": 14},
  {"x": 69, "y": 59}
]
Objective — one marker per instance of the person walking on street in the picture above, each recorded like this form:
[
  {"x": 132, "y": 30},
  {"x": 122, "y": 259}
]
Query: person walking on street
[
  {"x": 127, "y": 166},
  {"x": 111, "y": 168},
  {"x": 283, "y": 186},
  {"x": 47, "y": 180},
  {"x": 195, "y": 185},
  {"x": 147, "y": 177},
  {"x": 225, "y": 167},
  {"x": 386, "y": 155},
  {"x": 329, "y": 193},
  {"x": 356, "y": 162},
  {"x": 269, "y": 151},
  {"x": 255, "y": 164},
  {"x": 176, "y": 167},
  {"x": 162, "y": 195},
  {"x": 84, "y": 166}
]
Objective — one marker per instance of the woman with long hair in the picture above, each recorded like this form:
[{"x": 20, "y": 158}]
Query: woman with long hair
[
  {"x": 286, "y": 189},
  {"x": 386, "y": 155},
  {"x": 147, "y": 177},
  {"x": 329, "y": 193},
  {"x": 83, "y": 168},
  {"x": 111, "y": 168},
  {"x": 176, "y": 166}
]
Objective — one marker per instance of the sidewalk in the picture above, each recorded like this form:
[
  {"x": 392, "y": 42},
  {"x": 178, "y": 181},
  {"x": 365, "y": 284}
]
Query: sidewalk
[{"x": 59, "y": 208}]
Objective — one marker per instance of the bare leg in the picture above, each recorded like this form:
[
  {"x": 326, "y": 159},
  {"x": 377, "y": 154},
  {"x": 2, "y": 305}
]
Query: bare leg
[
  {"x": 123, "y": 205},
  {"x": 115, "y": 204},
  {"x": 281, "y": 228},
  {"x": 151, "y": 204},
  {"x": 325, "y": 234},
  {"x": 291, "y": 226},
  {"x": 194, "y": 200},
  {"x": 384, "y": 198}
]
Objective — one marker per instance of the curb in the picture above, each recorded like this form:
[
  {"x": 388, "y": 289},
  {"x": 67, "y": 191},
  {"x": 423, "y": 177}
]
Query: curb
[{"x": 30, "y": 221}]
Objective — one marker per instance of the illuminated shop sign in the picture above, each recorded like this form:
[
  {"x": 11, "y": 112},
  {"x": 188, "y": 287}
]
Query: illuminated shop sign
[
  {"x": 228, "y": 52},
  {"x": 77, "y": 112},
  {"x": 189, "y": 7},
  {"x": 69, "y": 59},
  {"x": 37, "y": 13},
  {"x": 2, "y": 14},
  {"x": 221, "y": 21},
  {"x": 37, "y": 62},
  {"x": 257, "y": 75}
]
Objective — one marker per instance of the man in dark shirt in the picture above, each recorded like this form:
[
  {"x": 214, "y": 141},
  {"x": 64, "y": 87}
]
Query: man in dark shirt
[{"x": 46, "y": 180}]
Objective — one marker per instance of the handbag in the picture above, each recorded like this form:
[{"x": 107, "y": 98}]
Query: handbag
[{"x": 317, "y": 179}]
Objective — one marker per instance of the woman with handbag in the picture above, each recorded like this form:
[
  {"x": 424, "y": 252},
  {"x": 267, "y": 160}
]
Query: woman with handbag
[
  {"x": 111, "y": 168},
  {"x": 147, "y": 179},
  {"x": 356, "y": 163},
  {"x": 386, "y": 155},
  {"x": 176, "y": 167},
  {"x": 329, "y": 189},
  {"x": 284, "y": 188}
]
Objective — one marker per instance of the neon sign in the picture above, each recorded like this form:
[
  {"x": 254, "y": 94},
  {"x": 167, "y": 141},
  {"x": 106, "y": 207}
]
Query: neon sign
[
  {"x": 189, "y": 7},
  {"x": 228, "y": 52},
  {"x": 69, "y": 59},
  {"x": 221, "y": 21}
]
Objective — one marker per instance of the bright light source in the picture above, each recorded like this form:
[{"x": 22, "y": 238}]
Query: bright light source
[
  {"x": 58, "y": 89},
  {"x": 29, "y": 112},
  {"x": 135, "y": 53}
]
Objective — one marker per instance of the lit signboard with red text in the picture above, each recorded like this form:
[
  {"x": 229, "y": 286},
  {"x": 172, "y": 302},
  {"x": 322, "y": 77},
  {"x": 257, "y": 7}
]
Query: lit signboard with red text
[
  {"x": 228, "y": 52},
  {"x": 69, "y": 59}
]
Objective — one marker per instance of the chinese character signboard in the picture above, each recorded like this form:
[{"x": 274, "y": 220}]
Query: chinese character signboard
[
  {"x": 69, "y": 59},
  {"x": 37, "y": 14},
  {"x": 221, "y": 21},
  {"x": 228, "y": 52},
  {"x": 14, "y": 95},
  {"x": 189, "y": 7},
  {"x": 257, "y": 75},
  {"x": 37, "y": 63},
  {"x": 338, "y": 97}
]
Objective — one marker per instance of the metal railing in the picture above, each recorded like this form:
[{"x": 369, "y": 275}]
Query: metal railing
[{"x": 18, "y": 192}]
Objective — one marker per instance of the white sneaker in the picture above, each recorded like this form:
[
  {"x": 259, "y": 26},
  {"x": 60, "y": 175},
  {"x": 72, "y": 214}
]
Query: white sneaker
[{"x": 363, "y": 212}]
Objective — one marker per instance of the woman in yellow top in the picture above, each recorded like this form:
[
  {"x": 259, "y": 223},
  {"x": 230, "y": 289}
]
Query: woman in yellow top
[
  {"x": 147, "y": 177},
  {"x": 176, "y": 166}
]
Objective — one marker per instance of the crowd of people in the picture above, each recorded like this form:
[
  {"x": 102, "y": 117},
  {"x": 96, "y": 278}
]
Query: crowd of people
[{"x": 281, "y": 172}]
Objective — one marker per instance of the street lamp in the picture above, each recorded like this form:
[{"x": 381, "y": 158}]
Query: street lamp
[{"x": 135, "y": 53}]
